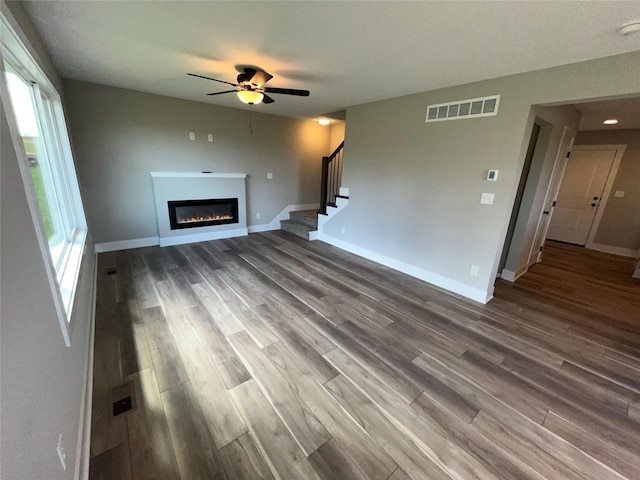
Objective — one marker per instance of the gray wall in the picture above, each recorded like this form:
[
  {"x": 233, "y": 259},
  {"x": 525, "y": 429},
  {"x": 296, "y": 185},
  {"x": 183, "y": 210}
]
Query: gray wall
[
  {"x": 42, "y": 379},
  {"x": 121, "y": 135},
  {"x": 620, "y": 223},
  {"x": 552, "y": 120},
  {"x": 415, "y": 187}
]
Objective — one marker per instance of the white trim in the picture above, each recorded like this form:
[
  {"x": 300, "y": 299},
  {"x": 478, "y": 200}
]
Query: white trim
[
  {"x": 625, "y": 252},
  {"x": 607, "y": 186},
  {"x": 197, "y": 175},
  {"x": 83, "y": 452},
  {"x": 511, "y": 276},
  {"x": 477, "y": 294},
  {"x": 553, "y": 187},
  {"x": 203, "y": 237},
  {"x": 265, "y": 227},
  {"x": 126, "y": 244},
  {"x": 284, "y": 214}
]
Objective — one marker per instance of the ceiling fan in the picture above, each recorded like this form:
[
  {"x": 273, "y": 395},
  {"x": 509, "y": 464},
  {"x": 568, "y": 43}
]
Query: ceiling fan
[{"x": 251, "y": 87}]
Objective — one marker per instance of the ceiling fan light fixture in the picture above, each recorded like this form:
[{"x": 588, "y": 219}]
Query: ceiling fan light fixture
[{"x": 250, "y": 97}]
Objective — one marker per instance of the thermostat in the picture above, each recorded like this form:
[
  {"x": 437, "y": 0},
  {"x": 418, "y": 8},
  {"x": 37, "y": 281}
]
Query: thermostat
[{"x": 492, "y": 175}]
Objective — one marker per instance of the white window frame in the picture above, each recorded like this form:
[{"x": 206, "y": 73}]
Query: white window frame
[{"x": 63, "y": 275}]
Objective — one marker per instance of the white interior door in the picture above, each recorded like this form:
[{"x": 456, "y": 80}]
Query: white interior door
[
  {"x": 552, "y": 192},
  {"x": 580, "y": 195}
]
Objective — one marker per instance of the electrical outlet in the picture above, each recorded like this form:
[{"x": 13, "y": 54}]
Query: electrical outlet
[
  {"x": 343, "y": 229},
  {"x": 474, "y": 271},
  {"x": 258, "y": 215},
  {"x": 210, "y": 137},
  {"x": 62, "y": 454},
  {"x": 192, "y": 136},
  {"x": 269, "y": 176}
]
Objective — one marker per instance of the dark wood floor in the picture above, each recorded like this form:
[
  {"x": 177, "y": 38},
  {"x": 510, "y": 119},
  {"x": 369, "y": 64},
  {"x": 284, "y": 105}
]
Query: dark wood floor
[{"x": 269, "y": 357}]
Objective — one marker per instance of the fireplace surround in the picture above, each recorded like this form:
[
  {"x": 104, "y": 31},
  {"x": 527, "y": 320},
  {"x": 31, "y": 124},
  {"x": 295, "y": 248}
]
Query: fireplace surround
[{"x": 199, "y": 206}]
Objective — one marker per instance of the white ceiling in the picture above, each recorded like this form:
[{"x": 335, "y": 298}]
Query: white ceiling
[
  {"x": 345, "y": 53},
  {"x": 625, "y": 110}
]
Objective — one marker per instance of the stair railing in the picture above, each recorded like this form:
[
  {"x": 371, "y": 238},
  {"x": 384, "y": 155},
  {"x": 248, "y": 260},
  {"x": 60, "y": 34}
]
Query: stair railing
[{"x": 331, "y": 179}]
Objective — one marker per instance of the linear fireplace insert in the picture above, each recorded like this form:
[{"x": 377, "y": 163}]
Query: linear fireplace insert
[{"x": 202, "y": 213}]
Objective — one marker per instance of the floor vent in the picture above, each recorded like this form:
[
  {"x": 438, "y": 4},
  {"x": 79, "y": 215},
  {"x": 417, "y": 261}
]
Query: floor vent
[
  {"x": 471, "y": 108},
  {"x": 123, "y": 399}
]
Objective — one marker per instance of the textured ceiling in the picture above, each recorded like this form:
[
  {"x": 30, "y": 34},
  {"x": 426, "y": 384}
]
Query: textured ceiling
[{"x": 345, "y": 53}]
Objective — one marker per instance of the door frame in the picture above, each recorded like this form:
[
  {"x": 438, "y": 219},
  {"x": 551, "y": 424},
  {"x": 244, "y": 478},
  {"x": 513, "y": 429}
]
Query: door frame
[
  {"x": 608, "y": 186},
  {"x": 552, "y": 192}
]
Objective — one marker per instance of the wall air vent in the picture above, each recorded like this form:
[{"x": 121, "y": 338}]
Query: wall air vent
[{"x": 472, "y": 108}]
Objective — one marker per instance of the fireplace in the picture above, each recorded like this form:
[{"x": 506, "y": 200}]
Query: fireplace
[
  {"x": 215, "y": 203},
  {"x": 202, "y": 213}
]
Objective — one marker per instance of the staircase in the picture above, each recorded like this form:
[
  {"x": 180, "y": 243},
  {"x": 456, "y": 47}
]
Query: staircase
[{"x": 302, "y": 223}]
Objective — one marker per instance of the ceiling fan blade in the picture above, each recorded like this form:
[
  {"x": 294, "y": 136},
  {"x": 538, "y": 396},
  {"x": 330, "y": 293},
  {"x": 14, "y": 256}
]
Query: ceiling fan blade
[
  {"x": 214, "y": 79},
  {"x": 220, "y": 93},
  {"x": 287, "y": 91},
  {"x": 259, "y": 78},
  {"x": 267, "y": 99}
]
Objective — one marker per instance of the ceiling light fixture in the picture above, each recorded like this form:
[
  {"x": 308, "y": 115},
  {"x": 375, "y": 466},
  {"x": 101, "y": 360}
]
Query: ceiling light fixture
[
  {"x": 250, "y": 97},
  {"x": 324, "y": 121},
  {"x": 629, "y": 28},
  {"x": 611, "y": 121}
]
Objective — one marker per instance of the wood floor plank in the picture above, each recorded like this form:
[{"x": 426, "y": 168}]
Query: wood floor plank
[
  {"x": 402, "y": 449},
  {"x": 134, "y": 347},
  {"x": 274, "y": 440},
  {"x": 114, "y": 464},
  {"x": 218, "y": 410},
  {"x": 243, "y": 461},
  {"x": 194, "y": 448},
  {"x": 305, "y": 428},
  {"x": 166, "y": 359},
  {"x": 619, "y": 460},
  {"x": 151, "y": 450},
  {"x": 330, "y": 462},
  {"x": 230, "y": 367},
  {"x": 430, "y": 438},
  {"x": 364, "y": 452}
]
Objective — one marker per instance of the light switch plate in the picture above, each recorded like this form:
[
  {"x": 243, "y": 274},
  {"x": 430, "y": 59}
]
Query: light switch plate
[
  {"x": 619, "y": 193},
  {"x": 487, "y": 199},
  {"x": 192, "y": 136},
  {"x": 210, "y": 137},
  {"x": 269, "y": 176}
]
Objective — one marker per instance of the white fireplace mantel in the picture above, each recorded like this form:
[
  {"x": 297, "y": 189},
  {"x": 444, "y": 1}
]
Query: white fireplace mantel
[
  {"x": 176, "y": 186},
  {"x": 196, "y": 175}
]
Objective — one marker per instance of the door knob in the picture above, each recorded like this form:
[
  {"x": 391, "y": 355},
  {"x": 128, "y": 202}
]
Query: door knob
[
  {"x": 546, "y": 212},
  {"x": 595, "y": 198},
  {"x": 594, "y": 204}
]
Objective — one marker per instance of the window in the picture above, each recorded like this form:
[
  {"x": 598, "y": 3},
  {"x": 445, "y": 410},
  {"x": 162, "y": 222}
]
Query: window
[{"x": 38, "y": 127}]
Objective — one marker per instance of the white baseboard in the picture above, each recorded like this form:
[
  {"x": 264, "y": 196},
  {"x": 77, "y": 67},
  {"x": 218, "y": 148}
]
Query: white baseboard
[
  {"x": 265, "y": 227},
  {"x": 202, "y": 237},
  {"x": 126, "y": 244},
  {"x": 624, "y": 252},
  {"x": 511, "y": 276},
  {"x": 284, "y": 214},
  {"x": 83, "y": 452},
  {"x": 477, "y": 294}
]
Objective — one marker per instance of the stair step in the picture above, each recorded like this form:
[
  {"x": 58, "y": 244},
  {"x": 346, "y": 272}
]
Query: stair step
[
  {"x": 305, "y": 217},
  {"x": 297, "y": 229}
]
